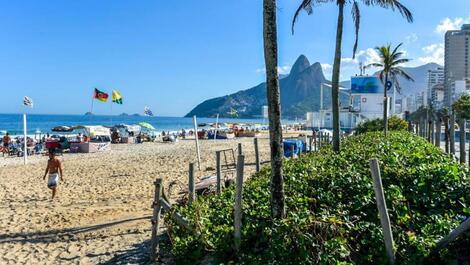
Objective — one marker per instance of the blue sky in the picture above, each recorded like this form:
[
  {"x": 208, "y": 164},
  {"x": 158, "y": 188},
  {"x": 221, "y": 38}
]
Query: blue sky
[{"x": 171, "y": 55}]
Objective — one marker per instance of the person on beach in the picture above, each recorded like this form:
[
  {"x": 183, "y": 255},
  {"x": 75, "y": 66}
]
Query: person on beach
[
  {"x": 6, "y": 140},
  {"x": 54, "y": 168}
]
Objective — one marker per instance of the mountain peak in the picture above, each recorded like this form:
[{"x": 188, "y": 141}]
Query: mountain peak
[{"x": 300, "y": 65}]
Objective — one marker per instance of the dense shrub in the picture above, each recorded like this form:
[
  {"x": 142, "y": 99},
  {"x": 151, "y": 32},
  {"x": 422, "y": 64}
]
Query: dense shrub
[
  {"x": 394, "y": 124},
  {"x": 331, "y": 213}
]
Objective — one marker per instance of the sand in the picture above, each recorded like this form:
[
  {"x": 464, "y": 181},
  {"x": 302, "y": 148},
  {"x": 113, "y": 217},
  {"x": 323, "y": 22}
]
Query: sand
[{"x": 101, "y": 213}]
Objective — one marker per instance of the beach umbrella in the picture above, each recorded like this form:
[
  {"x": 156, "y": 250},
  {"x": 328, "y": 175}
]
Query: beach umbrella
[{"x": 147, "y": 125}]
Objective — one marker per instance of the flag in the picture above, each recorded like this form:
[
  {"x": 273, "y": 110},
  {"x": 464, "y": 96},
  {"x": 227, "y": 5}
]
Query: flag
[
  {"x": 148, "y": 112},
  {"x": 117, "y": 98},
  {"x": 27, "y": 102},
  {"x": 100, "y": 95}
]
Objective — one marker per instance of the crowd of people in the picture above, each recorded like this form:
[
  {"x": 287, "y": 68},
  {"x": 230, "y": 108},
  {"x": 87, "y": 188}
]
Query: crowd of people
[{"x": 15, "y": 146}]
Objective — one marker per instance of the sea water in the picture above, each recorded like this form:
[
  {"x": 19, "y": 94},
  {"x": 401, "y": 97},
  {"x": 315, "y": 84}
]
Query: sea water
[{"x": 13, "y": 123}]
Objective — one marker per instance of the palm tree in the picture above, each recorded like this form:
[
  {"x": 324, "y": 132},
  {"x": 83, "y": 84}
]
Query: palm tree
[
  {"x": 390, "y": 61},
  {"x": 307, "y": 5},
  {"x": 274, "y": 110}
]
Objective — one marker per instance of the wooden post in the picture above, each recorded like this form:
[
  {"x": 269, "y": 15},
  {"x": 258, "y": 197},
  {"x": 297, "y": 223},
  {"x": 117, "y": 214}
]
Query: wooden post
[
  {"x": 310, "y": 146},
  {"x": 156, "y": 219},
  {"x": 452, "y": 133},
  {"x": 452, "y": 235},
  {"x": 218, "y": 166},
  {"x": 431, "y": 132},
  {"x": 463, "y": 155},
  {"x": 305, "y": 141},
  {"x": 437, "y": 135},
  {"x": 257, "y": 161},
  {"x": 238, "y": 202},
  {"x": 197, "y": 143},
  {"x": 320, "y": 138},
  {"x": 240, "y": 149},
  {"x": 292, "y": 150},
  {"x": 192, "y": 184},
  {"x": 382, "y": 207}
]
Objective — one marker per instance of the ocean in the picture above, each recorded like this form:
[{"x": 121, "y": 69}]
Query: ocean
[{"x": 13, "y": 123}]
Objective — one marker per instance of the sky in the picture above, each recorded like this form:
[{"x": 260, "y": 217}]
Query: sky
[{"x": 172, "y": 55}]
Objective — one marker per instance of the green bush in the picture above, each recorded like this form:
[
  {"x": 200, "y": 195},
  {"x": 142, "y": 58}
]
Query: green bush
[
  {"x": 332, "y": 217},
  {"x": 394, "y": 124}
]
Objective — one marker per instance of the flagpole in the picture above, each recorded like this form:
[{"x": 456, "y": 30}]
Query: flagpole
[
  {"x": 216, "y": 126},
  {"x": 25, "y": 150},
  {"x": 111, "y": 112}
]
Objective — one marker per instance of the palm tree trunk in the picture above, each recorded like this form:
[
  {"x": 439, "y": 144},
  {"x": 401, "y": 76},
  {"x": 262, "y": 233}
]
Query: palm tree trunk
[
  {"x": 386, "y": 106},
  {"x": 335, "y": 78},
  {"x": 272, "y": 86}
]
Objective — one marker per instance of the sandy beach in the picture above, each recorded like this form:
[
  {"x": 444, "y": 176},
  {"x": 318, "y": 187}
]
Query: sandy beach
[{"x": 101, "y": 213}]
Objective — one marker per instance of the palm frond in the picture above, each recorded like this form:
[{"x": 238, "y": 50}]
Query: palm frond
[
  {"x": 394, "y": 5},
  {"x": 356, "y": 15},
  {"x": 305, "y": 5}
]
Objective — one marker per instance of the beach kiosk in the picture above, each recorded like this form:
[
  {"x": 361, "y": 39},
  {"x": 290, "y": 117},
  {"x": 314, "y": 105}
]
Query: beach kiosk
[{"x": 98, "y": 139}]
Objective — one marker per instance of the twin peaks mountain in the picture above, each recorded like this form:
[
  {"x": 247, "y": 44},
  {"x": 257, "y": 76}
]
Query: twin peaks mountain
[{"x": 300, "y": 93}]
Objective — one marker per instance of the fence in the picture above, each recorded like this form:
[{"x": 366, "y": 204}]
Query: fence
[
  {"x": 225, "y": 165},
  {"x": 431, "y": 130}
]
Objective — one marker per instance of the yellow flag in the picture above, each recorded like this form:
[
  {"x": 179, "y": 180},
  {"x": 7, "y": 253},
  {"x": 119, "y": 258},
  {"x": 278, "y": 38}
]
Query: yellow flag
[{"x": 117, "y": 98}]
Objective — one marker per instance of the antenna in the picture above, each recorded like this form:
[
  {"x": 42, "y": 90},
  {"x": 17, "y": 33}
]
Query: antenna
[{"x": 362, "y": 68}]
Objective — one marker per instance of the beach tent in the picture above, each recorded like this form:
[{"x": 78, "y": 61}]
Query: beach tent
[{"x": 94, "y": 130}]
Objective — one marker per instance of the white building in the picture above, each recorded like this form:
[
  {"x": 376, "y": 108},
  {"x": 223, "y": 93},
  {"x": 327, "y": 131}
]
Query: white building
[{"x": 435, "y": 78}]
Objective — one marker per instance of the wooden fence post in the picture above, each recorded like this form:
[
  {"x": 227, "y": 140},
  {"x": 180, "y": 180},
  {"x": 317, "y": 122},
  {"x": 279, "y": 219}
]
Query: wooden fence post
[
  {"x": 382, "y": 207},
  {"x": 156, "y": 219},
  {"x": 310, "y": 147},
  {"x": 452, "y": 235},
  {"x": 463, "y": 155},
  {"x": 240, "y": 149},
  {"x": 437, "y": 135},
  {"x": 305, "y": 141},
  {"x": 257, "y": 161},
  {"x": 218, "y": 166},
  {"x": 192, "y": 184},
  {"x": 452, "y": 133},
  {"x": 292, "y": 150},
  {"x": 238, "y": 202},
  {"x": 320, "y": 139},
  {"x": 430, "y": 131}
]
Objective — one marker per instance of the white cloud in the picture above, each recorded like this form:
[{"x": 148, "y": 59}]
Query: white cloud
[
  {"x": 365, "y": 57},
  {"x": 350, "y": 66},
  {"x": 282, "y": 70},
  {"x": 413, "y": 37},
  {"x": 433, "y": 53},
  {"x": 451, "y": 24}
]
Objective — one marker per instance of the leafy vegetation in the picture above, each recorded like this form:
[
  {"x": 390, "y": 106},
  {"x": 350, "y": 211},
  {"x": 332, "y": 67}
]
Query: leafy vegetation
[
  {"x": 331, "y": 213},
  {"x": 462, "y": 107},
  {"x": 394, "y": 124}
]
